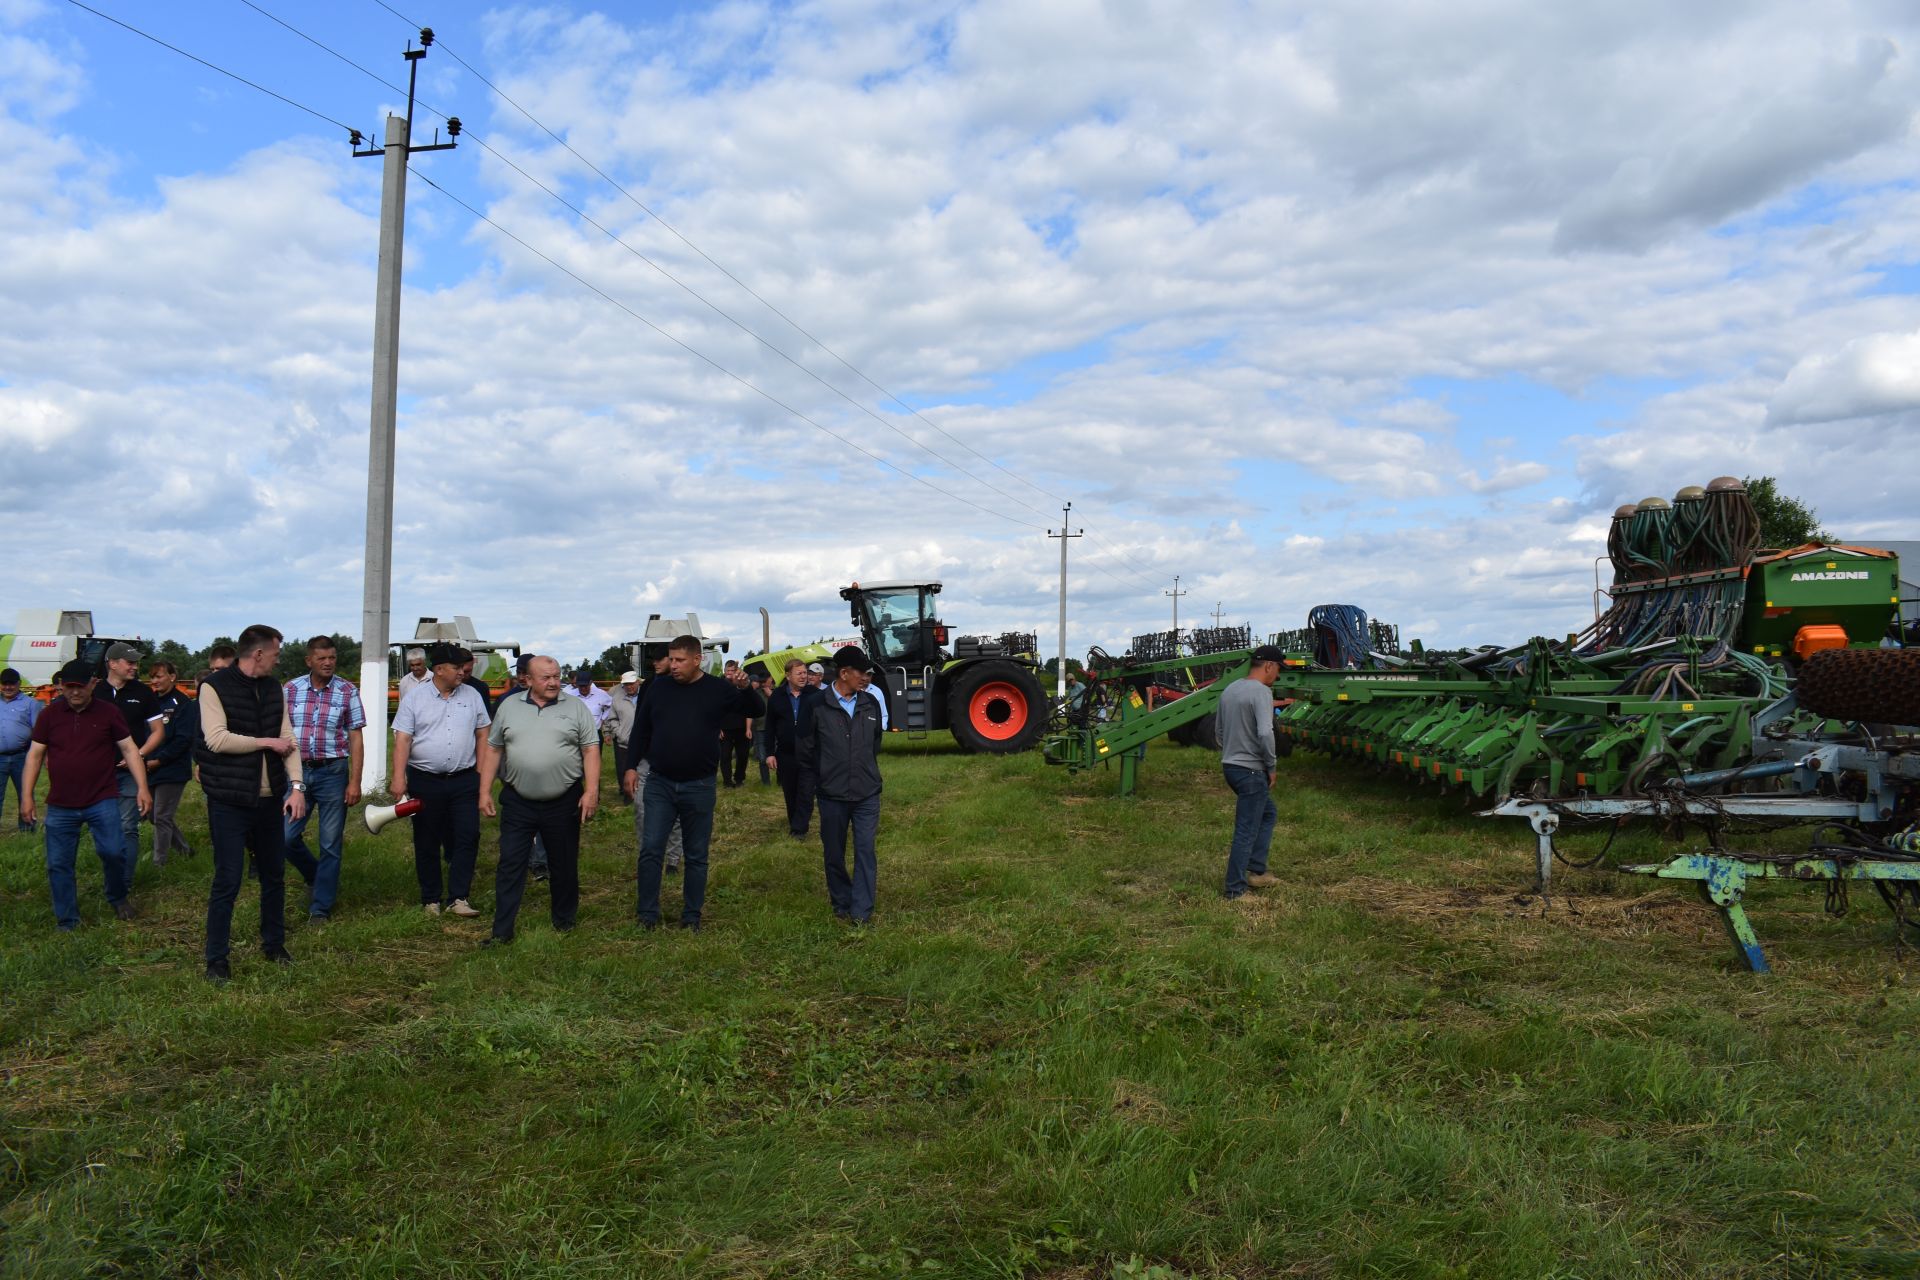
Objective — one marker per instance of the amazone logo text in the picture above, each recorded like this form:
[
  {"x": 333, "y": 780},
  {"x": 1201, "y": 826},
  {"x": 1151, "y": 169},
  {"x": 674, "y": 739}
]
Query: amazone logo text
[{"x": 1845, "y": 575}]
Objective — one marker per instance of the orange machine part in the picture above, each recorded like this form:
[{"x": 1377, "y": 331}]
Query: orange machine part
[{"x": 1810, "y": 640}]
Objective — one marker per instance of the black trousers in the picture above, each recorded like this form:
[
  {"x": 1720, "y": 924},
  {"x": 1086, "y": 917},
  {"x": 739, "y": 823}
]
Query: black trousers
[
  {"x": 734, "y": 749},
  {"x": 798, "y": 784},
  {"x": 556, "y": 823},
  {"x": 236, "y": 830},
  {"x": 447, "y": 827}
]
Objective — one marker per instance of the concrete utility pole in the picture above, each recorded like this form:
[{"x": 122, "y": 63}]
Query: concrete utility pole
[
  {"x": 1219, "y": 610},
  {"x": 1176, "y": 593},
  {"x": 376, "y": 609},
  {"x": 1060, "y": 677}
]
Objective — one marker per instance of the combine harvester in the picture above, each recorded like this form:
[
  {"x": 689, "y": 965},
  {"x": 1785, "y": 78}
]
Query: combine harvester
[{"x": 1678, "y": 702}]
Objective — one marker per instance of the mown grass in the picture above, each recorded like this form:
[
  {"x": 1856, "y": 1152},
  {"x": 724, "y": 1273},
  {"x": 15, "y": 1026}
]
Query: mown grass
[{"x": 1059, "y": 1054}]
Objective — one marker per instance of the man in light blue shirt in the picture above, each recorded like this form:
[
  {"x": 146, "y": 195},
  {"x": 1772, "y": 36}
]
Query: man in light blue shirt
[{"x": 18, "y": 711}]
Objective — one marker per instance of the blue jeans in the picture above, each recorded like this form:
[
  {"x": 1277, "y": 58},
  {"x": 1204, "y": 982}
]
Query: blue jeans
[
  {"x": 851, "y": 896},
  {"x": 63, "y": 844},
  {"x": 13, "y": 765},
  {"x": 129, "y": 820},
  {"x": 1253, "y": 817},
  {"x": 327, "y": 797},
  {"x": 692, "y": 803}
]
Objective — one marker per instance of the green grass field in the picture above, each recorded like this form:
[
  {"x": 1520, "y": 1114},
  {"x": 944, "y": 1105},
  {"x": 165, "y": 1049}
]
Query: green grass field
[{"x": 1059, "y": 1054}]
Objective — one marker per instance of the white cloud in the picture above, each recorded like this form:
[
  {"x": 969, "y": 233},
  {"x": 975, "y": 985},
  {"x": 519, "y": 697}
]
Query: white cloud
[{"x": 1871, "y": 375}]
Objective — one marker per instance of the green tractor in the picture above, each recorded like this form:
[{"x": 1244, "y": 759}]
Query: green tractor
[{"x": 984, "y": 690}]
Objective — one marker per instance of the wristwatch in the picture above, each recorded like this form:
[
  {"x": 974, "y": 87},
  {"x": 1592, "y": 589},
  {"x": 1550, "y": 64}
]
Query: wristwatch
[{"x": 300, "y": 787}]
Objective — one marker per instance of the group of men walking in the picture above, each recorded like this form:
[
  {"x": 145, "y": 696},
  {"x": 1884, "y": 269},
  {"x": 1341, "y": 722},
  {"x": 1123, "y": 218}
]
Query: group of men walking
[{"x": 274, "y": 760}]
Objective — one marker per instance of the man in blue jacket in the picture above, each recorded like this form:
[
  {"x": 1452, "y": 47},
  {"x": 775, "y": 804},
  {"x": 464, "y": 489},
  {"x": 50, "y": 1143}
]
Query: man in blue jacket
[{"x": 841, "y": 744}]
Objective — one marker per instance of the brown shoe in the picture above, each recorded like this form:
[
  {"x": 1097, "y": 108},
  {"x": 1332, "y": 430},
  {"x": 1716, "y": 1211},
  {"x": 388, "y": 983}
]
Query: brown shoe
[{"x": 1262, "y": 881}]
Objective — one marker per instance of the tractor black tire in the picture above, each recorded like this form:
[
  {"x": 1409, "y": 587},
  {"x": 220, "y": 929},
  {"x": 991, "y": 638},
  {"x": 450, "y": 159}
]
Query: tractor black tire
[
  {"x": 1181, "y": 734},
  {"x": 996, "y": 707},
  {"x": 1205, "y": 732}
]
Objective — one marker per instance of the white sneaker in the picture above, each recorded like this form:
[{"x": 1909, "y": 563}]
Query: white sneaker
[
  {"x": 431, "y": 908},
  {"x": 461, "y": 907}
]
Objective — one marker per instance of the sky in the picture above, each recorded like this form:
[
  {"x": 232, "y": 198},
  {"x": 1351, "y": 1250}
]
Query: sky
[{"x": 1384, "y": 304}]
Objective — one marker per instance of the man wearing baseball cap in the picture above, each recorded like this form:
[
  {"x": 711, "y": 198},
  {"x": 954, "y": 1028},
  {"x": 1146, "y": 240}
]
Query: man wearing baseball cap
[
  {"x": 80, "y": 738},
  {"x": 146, "y": 721},
  {"x": 840, "y": 745},
  {"x": 1247, "y": 758}
]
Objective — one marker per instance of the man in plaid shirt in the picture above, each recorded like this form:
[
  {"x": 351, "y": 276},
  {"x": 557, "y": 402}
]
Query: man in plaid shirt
[{"x": 327, "y": 718}]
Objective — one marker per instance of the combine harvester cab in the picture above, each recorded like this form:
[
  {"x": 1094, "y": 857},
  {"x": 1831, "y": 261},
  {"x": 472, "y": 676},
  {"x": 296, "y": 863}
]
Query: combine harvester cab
[{"x": 660, "y": 632}]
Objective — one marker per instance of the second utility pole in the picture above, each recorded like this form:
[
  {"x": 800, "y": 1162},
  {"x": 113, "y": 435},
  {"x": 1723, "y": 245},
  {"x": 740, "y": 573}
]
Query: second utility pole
[
  {"x": 1176, "y": 593},
  {"x": 1060, "y": 678},
  {"x": 376, "y": 616}
]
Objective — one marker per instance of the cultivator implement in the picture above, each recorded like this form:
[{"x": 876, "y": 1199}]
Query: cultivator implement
[{"x": 1675, "y": 703}]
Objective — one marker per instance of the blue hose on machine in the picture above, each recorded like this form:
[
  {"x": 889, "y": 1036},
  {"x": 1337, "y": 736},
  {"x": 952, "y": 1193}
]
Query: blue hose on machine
[{"x": 1340, "y": 638}]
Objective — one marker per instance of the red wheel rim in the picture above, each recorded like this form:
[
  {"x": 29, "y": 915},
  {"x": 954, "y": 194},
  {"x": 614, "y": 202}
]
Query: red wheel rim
[{"x": 997, "y": 711}]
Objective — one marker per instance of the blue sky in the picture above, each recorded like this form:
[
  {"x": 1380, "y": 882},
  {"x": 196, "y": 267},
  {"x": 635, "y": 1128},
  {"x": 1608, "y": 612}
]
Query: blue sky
[{"x": 1301, "y": 305}]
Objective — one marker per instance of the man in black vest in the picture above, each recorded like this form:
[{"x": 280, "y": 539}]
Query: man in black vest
[{"x": 250, "y": 772}]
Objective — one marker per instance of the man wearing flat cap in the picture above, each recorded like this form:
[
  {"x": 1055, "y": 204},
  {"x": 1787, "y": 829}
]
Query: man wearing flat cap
[
  {"x": 439, "y": 732},
  {"x": 840, "y": 745},
  {"x": 1247, "y": 758}
]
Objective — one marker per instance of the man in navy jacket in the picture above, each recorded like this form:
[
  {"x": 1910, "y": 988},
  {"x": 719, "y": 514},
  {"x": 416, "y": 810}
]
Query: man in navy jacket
[
  {"x": 788, "y": 708},
  {"x": 841, "y": 744}
]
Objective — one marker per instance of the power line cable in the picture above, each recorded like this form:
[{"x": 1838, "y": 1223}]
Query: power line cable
[
  {"x": 299, "y": 106},
  {"x": 587, "y": 218},
  {"x": 715, "y": 364},
  {"x": 795, "y": 325},
  {"x": 502, "y": 94},
  {"x": 883, "y": 461}
]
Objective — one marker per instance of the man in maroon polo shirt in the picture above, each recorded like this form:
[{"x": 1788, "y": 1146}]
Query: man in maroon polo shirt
[{"x": 81, "y": 739}]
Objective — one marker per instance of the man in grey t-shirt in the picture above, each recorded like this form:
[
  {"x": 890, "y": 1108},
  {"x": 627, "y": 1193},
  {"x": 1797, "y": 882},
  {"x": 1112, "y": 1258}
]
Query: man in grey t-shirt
[{"x": 1247, "y": 758}]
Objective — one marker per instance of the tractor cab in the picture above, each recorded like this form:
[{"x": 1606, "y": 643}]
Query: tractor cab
[{"x": 897, "y": 622}]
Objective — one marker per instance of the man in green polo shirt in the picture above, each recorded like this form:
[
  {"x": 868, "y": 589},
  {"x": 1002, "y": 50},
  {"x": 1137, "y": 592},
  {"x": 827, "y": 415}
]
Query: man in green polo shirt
[{"x": 546, "y": 750}]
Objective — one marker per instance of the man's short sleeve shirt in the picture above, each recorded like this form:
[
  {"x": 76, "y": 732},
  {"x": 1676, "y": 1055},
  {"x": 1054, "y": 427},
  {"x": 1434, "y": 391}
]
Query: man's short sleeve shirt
[
  {"x": 322, "y": 718},
  {"x": 138, "y": 703},
  {"x": 441, "y": 727},
  {"x": 82, "y": 749},
  {"x": 542, "y": 746}
]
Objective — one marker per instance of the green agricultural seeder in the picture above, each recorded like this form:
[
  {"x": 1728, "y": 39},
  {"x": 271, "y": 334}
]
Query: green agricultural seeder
[{"x": 1677, "y": 701}]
